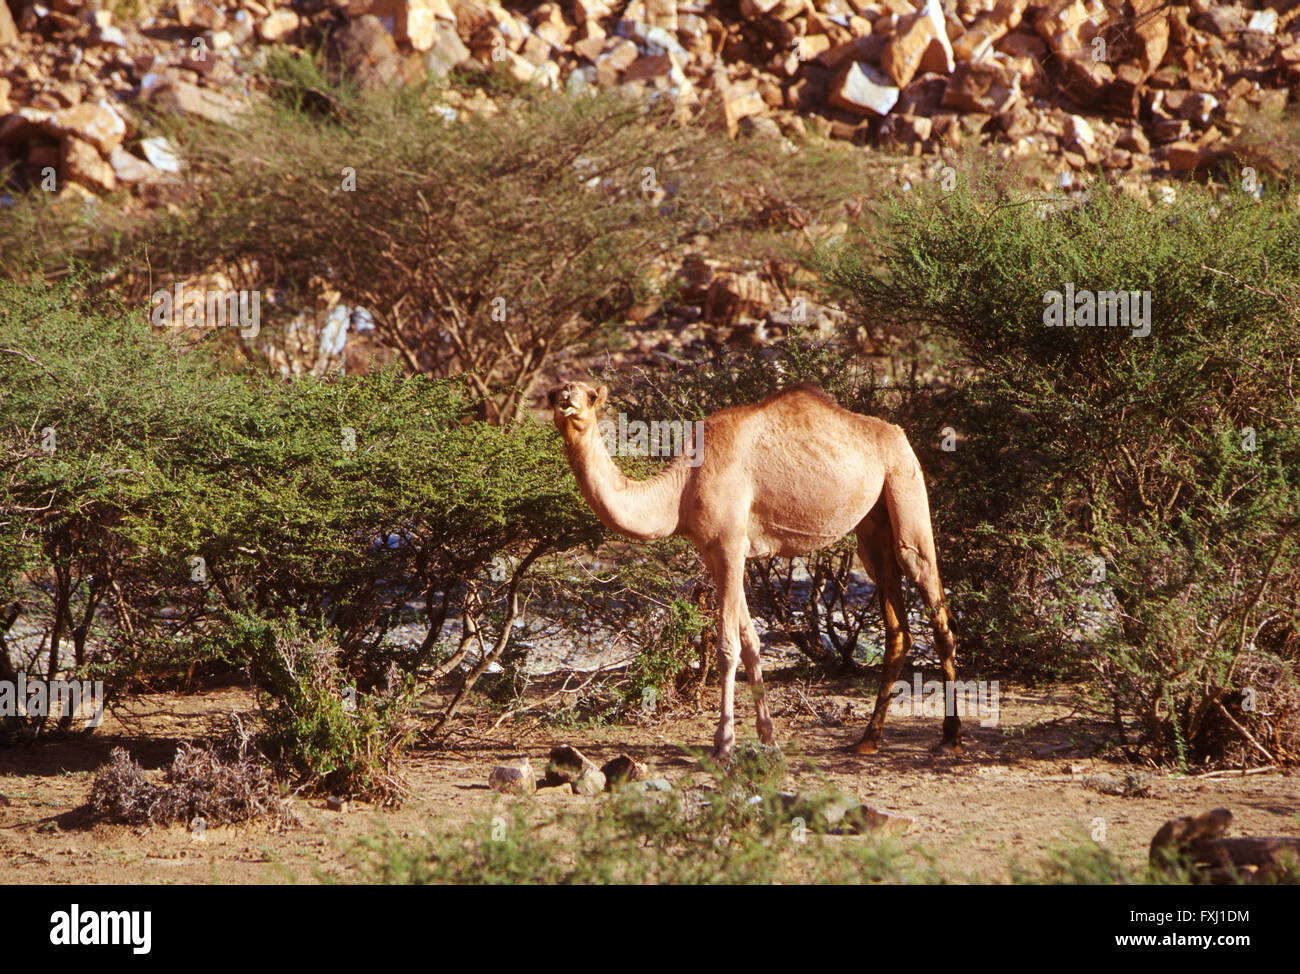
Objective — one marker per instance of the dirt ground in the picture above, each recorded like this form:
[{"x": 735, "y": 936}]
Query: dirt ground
[{"x": 1015, "y": 793}]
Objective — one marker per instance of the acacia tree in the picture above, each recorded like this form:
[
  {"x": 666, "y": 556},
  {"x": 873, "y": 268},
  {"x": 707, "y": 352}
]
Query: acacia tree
[{"x": 479, "y": 246}]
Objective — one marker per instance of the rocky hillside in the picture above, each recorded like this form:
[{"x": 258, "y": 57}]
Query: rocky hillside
[{"x": 1127, "y": 86}]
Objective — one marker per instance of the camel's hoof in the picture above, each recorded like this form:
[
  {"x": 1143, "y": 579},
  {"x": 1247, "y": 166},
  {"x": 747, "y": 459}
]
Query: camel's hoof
[
  {"x": 722, "y": 749},
  {"x": 946, "y": 746},
  {"x": 864, "y": 746}
]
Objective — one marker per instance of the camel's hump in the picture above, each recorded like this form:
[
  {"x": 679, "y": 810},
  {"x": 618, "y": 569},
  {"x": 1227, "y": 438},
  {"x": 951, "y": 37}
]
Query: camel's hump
[{"x": 802, "y": 389}]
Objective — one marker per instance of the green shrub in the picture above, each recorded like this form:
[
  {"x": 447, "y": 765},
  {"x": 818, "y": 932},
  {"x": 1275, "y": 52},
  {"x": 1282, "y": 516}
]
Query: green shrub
[
  {"x": 1117, "y": 505},
  {"x": 176, "y": 494},
  {"x": 662, "y": 667},
  {"x": 328, "y": 736}
]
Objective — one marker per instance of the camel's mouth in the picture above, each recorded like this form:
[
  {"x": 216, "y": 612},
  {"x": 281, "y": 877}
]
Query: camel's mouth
[{"x": 569, "y": 409}]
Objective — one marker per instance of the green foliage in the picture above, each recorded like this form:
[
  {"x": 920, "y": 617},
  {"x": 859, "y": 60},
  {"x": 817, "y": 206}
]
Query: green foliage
[
  {"x": 1122, "y": 505},
  {"x": 662, "y": 664},
  {"x": 330, "y": 737},
  {"x": 174, "y": 486}
]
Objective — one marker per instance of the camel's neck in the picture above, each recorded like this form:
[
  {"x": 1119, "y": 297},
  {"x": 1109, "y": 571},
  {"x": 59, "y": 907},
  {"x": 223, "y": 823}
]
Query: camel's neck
[{"x": 642, "y": 509}]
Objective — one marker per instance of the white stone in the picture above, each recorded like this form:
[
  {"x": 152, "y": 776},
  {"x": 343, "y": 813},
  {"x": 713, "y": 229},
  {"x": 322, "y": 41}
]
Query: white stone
[
  {"x": 864, "y": 90},
  {"x": 162, "y": 155},
  {"x": 1263, "y": 22}
]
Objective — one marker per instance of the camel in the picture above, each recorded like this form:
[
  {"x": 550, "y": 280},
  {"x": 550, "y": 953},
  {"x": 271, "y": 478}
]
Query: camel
[{"x": 779, "y": 478}]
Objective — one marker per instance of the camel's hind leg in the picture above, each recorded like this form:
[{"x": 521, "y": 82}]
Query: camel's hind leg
[
  {"x": 876, "y": 549},
  {"x": 909, "y": 512}
]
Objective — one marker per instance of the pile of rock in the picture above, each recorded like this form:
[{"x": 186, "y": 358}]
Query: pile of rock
[
  {"x": 1121, "y": 84},
  {"x": 569, "y": 770},
  {"x": 1083, "y": 83},
  {"x": 71, "y": 81}
]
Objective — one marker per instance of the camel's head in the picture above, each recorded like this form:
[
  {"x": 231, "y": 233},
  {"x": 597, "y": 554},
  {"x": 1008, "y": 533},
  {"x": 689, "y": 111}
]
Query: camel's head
[{"x": 576, "y": 405}]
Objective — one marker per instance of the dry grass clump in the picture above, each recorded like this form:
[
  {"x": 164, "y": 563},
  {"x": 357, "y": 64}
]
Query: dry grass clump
[
  {"x": 1268, "y": 730},
  {"x": 200, "y": 784}
]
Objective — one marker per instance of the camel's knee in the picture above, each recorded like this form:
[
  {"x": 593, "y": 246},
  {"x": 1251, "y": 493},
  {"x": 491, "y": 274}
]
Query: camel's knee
[{"x": 915, "y": 564}]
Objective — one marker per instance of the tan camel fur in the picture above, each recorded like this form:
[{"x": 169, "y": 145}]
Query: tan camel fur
[{"x": 779, "y": 478}]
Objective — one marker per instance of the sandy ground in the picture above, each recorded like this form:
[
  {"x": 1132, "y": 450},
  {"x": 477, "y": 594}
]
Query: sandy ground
[{"x": 1015, "y": 793}]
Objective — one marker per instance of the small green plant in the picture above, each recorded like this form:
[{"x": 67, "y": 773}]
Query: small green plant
[
  {"x": 663, "y": 666},
  {"x": 330, "y": 737}
]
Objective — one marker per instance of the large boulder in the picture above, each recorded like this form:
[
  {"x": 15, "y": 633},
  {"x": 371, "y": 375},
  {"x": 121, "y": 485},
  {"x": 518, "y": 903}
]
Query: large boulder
[{"x": 366, "y": 51}]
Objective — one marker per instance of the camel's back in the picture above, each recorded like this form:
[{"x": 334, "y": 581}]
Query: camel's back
[
  {"x": 800, "y": 424},
  {"x": 796, "y": 460}
]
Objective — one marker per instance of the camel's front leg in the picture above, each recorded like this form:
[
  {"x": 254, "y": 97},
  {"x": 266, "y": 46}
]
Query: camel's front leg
[
  {"x": 728, "y": 576},
  {"x": 750, "y": 653}
]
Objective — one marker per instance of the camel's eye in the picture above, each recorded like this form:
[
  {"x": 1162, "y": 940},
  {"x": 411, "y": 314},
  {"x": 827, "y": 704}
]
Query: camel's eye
[{"x": 591, "y": 398}]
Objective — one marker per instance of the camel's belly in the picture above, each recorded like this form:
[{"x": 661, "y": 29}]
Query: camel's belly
[{"x": 786, "y": 533}]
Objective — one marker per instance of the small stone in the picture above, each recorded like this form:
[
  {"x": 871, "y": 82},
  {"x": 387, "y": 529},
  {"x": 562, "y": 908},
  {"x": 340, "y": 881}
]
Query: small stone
[
  {"x": 1134, "y": 140},
  {"x": 734, "y": 102},
  {"x": 1079, "y": 134},
  {"x": 448, "y": 51},
  {"x": 110, "y": 36},
  {"x": 1263, "y": 22},
  {"x": 863, "y": 90},
  {"x": 83, "y": 165},
  {"x": 1151, "y": 31},
  {"x": 991, "y": 27},
  {"x": 208, "y": 103},
  {"x": 162, "y": 154},
  {"x": 278, "y": 25},
  {"x": 648, "y": 67},
  {"x": 919, "y": 43},
  {"x": 8, "y": 29},
  {"x": 566, "y": 764},
  {"x": 985, "y": 87},
  {"x": 368, "y": 53},
  {"x": 130, "y": 168},
  {"x": 623, "y": 769},
  {"x": 1185, "y": 157},
  {"x": 1198, "y": 106},
  {"x": 513, "y": 778},
  {"x": 336, "y": 804},
  {"x": 905, "y": 133},
  {"x": 1131, "y": 784},
  {"x": 590, "y": 783}
]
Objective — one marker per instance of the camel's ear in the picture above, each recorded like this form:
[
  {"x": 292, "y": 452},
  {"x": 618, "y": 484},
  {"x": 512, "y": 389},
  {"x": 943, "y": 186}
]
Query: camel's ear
[
  {"x": 550, "y": 396},
  {"x": 602, "y": 397}
]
